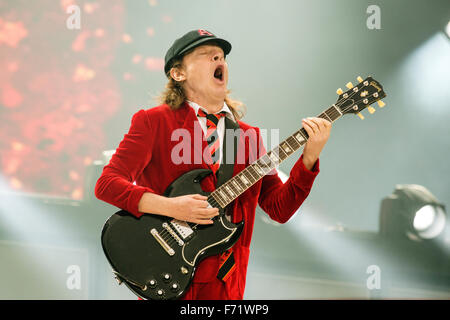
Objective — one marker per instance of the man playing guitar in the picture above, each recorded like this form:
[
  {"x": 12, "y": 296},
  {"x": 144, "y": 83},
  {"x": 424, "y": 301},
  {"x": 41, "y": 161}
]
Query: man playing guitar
[{"x": 197, "y": 95}]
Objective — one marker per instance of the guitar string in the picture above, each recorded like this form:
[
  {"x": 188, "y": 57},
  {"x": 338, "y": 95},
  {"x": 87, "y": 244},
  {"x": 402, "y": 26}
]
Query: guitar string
[
  {"x": 247, "y": 168},
  {"x": 170, "y": 240},
  {"x": 165, "y": 235},
  {"x": 338, "y": 104}
]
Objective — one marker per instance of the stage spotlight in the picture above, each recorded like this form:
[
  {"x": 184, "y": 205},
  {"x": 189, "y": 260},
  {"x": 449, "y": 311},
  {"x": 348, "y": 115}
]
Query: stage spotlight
[
  {"x": 447, "y": 30},
  {"x": 412, "y": 211}
]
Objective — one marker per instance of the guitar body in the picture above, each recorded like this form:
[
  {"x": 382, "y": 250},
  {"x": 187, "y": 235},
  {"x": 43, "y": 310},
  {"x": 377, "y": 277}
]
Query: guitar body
[{"x": 156, "y": 256}]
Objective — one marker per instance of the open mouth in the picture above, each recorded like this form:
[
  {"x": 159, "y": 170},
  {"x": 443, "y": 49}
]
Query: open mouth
[{"x": 218, "y": 73}]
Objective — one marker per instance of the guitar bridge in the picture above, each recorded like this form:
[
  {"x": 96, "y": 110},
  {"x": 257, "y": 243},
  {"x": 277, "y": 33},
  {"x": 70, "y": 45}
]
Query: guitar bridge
[{"x": 173, "y": 234}]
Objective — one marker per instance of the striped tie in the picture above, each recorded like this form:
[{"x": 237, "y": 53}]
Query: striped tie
[
  {"x": 212, "y": 136},
  {"x": 227, "y": 263}
]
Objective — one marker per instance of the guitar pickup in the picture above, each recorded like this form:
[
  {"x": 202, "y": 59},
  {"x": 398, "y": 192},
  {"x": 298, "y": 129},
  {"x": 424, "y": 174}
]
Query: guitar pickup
[{"x": 182, "y": 227}]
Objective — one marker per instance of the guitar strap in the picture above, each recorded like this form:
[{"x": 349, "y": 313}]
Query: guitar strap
[{"x": 225, "y": 173}]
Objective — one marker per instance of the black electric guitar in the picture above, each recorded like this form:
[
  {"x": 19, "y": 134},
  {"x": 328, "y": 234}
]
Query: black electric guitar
[{"x": 156, "y": 256}]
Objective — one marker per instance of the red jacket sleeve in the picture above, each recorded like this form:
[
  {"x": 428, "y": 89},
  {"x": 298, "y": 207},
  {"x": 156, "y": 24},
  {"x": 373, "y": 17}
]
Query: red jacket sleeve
[
  {"x": 280, "y": 201},
  {"x": 115, "y": 185}
]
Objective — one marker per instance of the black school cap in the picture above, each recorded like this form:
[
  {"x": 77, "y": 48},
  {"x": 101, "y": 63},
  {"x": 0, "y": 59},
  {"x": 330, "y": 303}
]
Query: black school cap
[{"x": 189, "y": 41}]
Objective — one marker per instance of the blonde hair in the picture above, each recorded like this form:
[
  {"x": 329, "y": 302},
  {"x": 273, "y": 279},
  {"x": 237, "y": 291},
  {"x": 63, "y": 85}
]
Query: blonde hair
[{"x": 174, "y": 95}]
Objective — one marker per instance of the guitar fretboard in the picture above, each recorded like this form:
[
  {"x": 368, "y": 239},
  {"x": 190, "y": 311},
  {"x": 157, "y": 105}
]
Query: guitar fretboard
[{"x": 237, "y": 185}]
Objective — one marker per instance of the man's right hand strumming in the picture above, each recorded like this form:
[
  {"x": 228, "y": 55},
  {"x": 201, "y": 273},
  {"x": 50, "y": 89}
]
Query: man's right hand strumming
[{"x": 191, "y": 208}]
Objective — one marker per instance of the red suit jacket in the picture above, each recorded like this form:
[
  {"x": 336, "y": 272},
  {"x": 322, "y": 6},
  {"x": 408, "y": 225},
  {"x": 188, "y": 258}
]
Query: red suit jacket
[{"x": 144, "y": 156}]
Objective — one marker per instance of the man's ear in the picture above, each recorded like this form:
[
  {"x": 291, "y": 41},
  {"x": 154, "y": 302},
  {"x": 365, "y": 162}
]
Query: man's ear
[{"x": 177, "y": 74}]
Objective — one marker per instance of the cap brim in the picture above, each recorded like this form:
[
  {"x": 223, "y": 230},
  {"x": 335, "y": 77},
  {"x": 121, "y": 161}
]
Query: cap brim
[{"x": 224, "y": 44}]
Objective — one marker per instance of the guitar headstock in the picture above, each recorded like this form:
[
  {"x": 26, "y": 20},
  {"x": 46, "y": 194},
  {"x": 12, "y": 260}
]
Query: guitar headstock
[{"x": 360, "y": 96}]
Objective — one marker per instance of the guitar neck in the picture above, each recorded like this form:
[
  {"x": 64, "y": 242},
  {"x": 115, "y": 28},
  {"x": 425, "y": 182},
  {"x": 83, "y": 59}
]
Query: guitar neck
[{"x": 237, "y": 185}]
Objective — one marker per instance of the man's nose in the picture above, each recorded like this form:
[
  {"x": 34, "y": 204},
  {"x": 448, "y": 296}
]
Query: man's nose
[{"x": 217, "y": 57}]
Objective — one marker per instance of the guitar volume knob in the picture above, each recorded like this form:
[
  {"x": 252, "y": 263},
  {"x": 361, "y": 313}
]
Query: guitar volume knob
[
  {"x": 160, "y": 292},
  {"x": 153, "y": 283}
]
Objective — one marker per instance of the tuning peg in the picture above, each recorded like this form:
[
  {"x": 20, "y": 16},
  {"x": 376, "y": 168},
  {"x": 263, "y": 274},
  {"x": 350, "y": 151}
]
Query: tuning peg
[
  {"x": 360, "y": 115},
  {"x": 359, "y": 79},
  {"x": 339, "y": 91},
  {"x": 371, "y": 109},
  {"x": 381, "y": 104},
  {"x": 349, "y": 85}
]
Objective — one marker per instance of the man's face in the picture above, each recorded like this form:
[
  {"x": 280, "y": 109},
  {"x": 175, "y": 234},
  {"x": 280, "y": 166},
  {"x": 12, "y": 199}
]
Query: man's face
[{"x": 206, "y": 74}]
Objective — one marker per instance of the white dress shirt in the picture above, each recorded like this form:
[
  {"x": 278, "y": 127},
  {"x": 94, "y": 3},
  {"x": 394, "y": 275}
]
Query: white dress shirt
[{"x": 220, "y": 124}]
